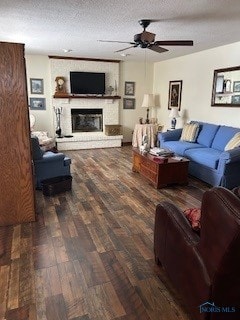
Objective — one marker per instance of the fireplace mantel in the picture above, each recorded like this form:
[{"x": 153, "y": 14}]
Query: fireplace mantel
[{"x": 70, "y": 96}]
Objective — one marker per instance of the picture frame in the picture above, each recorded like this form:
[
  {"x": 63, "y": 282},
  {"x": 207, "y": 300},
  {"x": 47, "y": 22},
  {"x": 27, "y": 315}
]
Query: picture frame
[
  {"x": 235, "y": 99},
  {"x": 128, "y": 103},
  {"x": 37, "y": 104},
  {"x": 236, "y": 86},
  {"x": 175, "y": 94},
  {"x": 36, "y": 86},
  {"x": 129, "y": 88}
]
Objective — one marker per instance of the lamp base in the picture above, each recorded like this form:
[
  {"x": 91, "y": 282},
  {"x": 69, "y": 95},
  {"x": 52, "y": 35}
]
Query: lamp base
[
  {"x": 147, "y": 120},
  {"x": 173, "y": 123}
]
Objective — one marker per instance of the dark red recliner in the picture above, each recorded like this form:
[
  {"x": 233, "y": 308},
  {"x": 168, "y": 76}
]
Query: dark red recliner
[{"x": 204, "y": 268}]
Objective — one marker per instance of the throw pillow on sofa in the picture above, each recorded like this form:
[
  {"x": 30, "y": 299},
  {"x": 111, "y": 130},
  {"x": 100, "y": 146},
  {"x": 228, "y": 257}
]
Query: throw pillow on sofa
[
  {"x": 193, "y": 215},
  {"x": 190, "y": 132},
  {"x": 233, "y": 143}
]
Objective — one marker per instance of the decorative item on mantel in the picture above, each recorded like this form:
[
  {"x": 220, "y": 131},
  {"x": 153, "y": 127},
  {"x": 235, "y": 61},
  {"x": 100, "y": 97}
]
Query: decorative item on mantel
[
  {"x": 60, "y": 86},
  {"x": 58, "y": 112},
  {"x": 174, "y": 114},
  {"x": 148, "y": 102}
]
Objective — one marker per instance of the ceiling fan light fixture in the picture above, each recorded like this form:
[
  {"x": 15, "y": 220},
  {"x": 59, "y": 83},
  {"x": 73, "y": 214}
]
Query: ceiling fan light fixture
[
  {"x": 124, "y": 54},
  {"x": 67, "y": 50}
]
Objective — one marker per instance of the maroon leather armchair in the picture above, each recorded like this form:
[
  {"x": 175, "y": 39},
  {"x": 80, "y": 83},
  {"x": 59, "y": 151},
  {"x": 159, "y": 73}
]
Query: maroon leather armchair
[{"x": 205, "y": 267}]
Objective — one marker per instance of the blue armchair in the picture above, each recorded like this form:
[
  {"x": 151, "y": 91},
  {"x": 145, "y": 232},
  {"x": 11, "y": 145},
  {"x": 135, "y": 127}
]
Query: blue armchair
[{"x": 48, "y": 164}]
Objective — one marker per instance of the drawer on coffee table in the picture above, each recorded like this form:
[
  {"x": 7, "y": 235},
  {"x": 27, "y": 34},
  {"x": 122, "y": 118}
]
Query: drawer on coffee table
[
  {"x": 145, "y": 162},
  {"x": 149, "y": 174}
]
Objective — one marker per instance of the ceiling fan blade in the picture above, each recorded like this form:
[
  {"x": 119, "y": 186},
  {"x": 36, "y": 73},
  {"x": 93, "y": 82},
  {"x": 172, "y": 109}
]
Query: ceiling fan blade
[
  {"x": 126, "y": 48},
  {"x": 157, "y": 48},
  {"x": 174, "y": 43},
  {"x": 116, "y": 41}
]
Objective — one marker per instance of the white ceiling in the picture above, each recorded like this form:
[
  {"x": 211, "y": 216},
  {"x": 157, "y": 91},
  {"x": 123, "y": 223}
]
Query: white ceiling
[{"x": 49, "y": 26}]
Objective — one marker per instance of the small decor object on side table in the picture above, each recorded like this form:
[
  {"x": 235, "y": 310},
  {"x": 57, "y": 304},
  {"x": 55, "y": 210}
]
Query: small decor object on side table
[
  {"x": 58, "y": 112},
  {"x": 174, "y": 114},
  {"x": 144, "y": 147}
]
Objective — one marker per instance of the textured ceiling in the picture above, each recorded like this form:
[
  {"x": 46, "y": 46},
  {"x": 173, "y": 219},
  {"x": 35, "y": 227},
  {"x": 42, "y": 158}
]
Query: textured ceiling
[{"x": 48, "y": 27}]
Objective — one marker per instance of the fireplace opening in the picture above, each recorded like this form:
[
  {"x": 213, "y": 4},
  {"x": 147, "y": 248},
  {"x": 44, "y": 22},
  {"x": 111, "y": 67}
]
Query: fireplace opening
[{"x": 87, "y": 120}]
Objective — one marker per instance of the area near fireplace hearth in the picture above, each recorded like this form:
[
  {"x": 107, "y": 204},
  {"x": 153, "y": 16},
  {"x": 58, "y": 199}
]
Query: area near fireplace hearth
[{"x": 85, "y": 118}]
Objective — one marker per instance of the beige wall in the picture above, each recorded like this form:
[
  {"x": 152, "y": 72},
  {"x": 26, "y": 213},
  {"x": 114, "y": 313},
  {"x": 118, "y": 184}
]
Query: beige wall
[
  {"x": 196, "y": 72},
  {"x": 142, "y": 75},
  {"x": 39, "y": 67},
  {"x": 138, "y": 72}
]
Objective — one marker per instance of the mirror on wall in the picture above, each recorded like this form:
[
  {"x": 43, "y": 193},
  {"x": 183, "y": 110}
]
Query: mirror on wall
[{"x": 226, "y": 87}]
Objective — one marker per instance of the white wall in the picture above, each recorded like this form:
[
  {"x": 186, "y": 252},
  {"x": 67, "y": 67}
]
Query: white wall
[
  {"x": 142, "y": 75},
  {"x": 196, "y": 72}
]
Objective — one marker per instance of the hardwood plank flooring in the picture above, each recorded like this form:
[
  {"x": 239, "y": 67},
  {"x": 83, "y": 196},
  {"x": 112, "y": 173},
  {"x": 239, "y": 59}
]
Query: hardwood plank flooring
[{"x": 90, "y": 253}]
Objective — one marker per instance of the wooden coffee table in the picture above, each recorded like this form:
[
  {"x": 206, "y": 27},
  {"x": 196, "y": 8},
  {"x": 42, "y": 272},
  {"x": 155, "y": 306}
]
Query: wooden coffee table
[{"x": 159, "y": 173}]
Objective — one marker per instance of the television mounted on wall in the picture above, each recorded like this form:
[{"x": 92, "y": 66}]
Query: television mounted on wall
[{"x": 87, "y": 82}]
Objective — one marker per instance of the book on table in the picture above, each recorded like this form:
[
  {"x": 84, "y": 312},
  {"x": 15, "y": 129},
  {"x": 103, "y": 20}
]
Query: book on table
[{"x": 161, "y": 152}]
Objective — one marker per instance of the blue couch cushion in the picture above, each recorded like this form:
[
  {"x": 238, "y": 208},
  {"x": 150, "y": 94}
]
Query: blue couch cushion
[
  {"x": 179, "y": 147},
  {"x": 206, "y": 156},
  {"x": 223, "y": 136},
  {"x": 206, "y": 133}
]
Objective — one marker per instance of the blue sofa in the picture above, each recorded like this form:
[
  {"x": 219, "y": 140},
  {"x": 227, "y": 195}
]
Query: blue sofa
[
  {"x": 48, "y": 164},
  {"x": 208, "y": 160}
]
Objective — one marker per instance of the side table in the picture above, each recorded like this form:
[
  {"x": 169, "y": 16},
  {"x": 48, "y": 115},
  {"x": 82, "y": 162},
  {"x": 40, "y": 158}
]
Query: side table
[{"x": 145, "y": 129}]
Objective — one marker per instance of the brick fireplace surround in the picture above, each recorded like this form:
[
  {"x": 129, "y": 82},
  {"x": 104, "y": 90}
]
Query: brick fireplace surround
[
  {"x": 88, "y": 140},
  {"x": 61, "y": 66}
]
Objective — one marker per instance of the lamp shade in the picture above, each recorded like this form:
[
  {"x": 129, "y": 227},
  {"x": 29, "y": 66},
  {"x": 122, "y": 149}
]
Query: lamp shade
[
  {"x": 174, "y": 113},
  {"x": 148, "y": 101}
]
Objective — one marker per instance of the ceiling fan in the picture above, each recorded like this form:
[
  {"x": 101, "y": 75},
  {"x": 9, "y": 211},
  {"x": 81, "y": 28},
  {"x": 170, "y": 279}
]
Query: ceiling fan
[{"x": 147, "y": 40}]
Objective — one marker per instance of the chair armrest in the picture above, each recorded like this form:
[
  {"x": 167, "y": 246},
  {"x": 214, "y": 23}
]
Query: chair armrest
[
  {"x": 172, "y": 135},
  {"x": 166, "y": 211},
  {"x": 51, "y": 157},
  {"x": 175, "y": 247}
]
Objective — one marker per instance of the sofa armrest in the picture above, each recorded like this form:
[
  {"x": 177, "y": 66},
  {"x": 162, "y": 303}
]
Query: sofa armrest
[
  {"x": 172, "y": 135},
  {"x": 232, "y": 155}
]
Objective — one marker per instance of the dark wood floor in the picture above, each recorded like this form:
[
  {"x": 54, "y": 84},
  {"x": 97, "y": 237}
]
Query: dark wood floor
[{"x": 90, "y": 253}]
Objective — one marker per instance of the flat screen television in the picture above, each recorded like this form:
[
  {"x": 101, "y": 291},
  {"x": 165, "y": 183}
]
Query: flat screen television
[{"x": 87, "y": 82}]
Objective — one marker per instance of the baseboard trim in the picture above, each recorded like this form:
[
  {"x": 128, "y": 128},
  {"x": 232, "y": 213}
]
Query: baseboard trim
[{"x": 126, "y": 144}]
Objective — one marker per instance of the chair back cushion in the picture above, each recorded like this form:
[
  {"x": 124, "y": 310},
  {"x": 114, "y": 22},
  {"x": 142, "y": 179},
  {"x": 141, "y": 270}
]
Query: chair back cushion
[
  {"x": 206, "y": 133},
  {"x": 37, "y": 152},
  {"x": 223, "y": 136}
]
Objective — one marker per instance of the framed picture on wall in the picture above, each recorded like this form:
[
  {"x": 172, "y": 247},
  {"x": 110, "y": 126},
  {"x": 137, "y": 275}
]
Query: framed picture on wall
[
  {"x": 128, "y": 103},
  {"x": 129, "y": 88},
  {"x": 37, "y": 104},
  {"x": 236, "y": 86},
  {"x": 36, "y": 86},
  {"x": 235, "y": 99},
  {"x": 175, "y": 93}
]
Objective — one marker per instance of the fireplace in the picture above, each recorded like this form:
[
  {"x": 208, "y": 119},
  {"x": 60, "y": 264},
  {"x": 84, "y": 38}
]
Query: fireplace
[{"x": 87, "y": 120}]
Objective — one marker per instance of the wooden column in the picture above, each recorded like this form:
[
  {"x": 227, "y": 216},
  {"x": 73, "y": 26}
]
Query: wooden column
[{"x": 16, "y": 182}]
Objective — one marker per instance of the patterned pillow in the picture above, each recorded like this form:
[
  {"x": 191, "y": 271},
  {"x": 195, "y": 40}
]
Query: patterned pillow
[
  {"x": 233, "y": 143},
  {"x": 190, "y": 132},
  {"x": 193, "y": 215}
]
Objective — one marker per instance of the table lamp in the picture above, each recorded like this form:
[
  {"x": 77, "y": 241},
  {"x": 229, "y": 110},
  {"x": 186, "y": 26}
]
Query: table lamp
[
  {"x": 174, "y": 114},
  {"x": 148, "y": 102}
]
